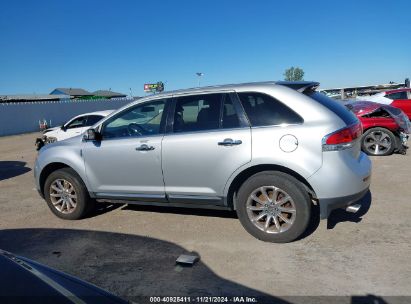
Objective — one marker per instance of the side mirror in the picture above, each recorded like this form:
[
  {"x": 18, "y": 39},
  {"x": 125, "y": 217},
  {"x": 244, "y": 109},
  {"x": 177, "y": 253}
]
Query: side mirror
[
  {"x": 91, "y": 134},
  {"x": 63, "y": 128}
]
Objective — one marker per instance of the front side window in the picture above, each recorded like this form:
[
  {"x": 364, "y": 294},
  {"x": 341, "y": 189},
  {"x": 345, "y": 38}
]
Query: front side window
[
  {"x": 78, "y": 122},
  {"x": 140, "y": 120},
  {"x": 264, "y": 110},
  {"x": 398, "y": 95}
]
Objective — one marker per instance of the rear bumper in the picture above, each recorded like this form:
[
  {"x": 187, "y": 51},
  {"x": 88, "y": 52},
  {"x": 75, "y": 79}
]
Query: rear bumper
[{"x": 329, "y": 204}]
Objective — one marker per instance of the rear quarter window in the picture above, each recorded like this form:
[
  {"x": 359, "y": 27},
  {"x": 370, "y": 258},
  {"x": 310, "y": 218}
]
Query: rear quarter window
[
  {"x": 265, "y": 110},
  {"x": 339, "y": 109}
]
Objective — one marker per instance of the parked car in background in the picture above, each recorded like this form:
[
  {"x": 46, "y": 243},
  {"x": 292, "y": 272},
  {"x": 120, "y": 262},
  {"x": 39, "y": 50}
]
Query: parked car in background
[
  {"x": 399, "y": 98},
  {"x": 386, "y": 128},
  {"x": 25, "y": 281},
  {"x": 266, "y": 150},
  {"x": 74, "y": 127}
]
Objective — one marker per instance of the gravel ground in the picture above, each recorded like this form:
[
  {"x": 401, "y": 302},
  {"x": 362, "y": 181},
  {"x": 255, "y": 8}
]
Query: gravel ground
[{"x": 131, "y": 251}]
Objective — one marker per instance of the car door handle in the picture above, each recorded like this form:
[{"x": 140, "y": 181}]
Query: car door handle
[
  {"x": 145, "y": 147},
  {"x": 230, "y": 142}
]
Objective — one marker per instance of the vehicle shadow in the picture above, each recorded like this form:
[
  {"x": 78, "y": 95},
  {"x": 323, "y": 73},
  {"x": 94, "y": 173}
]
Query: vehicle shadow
[
  {"x": 312, "y": 226},
  {"x": 137, "y": 267},
  {"x": 340, "y": 215},
  {"x": 10, "y": 169},
  {"x": 103, "y": 207},
  {"x": 130, "y": 266},
  {"x": 189, "y": 211}
]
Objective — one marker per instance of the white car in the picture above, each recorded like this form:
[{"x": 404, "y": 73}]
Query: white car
[{"x": 74, "y": 127}]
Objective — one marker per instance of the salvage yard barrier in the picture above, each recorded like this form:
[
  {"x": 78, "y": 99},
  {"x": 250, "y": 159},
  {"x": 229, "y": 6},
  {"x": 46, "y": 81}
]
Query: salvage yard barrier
[{"x": 24, "y": 117}]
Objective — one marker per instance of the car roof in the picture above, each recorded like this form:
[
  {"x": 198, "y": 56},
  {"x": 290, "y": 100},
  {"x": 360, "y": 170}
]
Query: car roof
[
  {"x": 296, "y": 85},
  {"x": 398, "y": 90},
  {"x": 101, "y": 113}
]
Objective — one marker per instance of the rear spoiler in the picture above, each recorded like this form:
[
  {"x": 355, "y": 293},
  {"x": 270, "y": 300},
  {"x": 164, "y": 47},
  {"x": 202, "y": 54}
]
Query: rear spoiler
[{"x": 300, "y": 86}]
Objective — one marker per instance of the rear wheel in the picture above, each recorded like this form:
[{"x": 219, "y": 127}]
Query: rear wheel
[
  {"x": 273, "y": 207},
  {"x": 66, "y": 195},
  {"x": 378, "y": 142}
]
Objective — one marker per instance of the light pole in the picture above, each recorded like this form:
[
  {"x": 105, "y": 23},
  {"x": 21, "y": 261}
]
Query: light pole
[{"x": 199, "y": 77}]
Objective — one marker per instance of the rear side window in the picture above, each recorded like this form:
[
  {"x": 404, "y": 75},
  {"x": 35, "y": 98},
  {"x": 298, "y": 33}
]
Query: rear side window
[
  {"x": 264, "y": 110},
  {"x": 340, "y": 110},
  {"x": 397, "y": 95},
  {"x": 204, "y": 112}
]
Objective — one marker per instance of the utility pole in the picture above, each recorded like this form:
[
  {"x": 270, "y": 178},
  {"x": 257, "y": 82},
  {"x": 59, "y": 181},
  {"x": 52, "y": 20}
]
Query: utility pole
[{"x": 199, "y": 74}]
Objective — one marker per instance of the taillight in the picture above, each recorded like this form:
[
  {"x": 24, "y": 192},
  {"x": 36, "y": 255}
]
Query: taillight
[{"x": 342, "y": 139}]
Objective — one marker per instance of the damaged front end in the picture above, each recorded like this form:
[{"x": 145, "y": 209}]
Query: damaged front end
[
  {"x": 44, "y": 140},
  {"x": 385, "y": 116},
  {"x": 404, "y": 126}
]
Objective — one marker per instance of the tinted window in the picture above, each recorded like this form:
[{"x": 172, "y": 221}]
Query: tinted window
[
  {"x": 140, "y": 120},
  {"x": 264, "y": 110},
  {"x": 77, "y": 123},
  {"x": 398, "y": 95},
  {"x": 229, "y": 118},
  {"x": 204, "y": 112},
  {"x": 92, "y": 119},
  {"x": 346, "y": 115}
]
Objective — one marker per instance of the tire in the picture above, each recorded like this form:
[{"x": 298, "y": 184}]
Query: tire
[
  {"x": 284, "y": 185},
  {"x": 378, "y": 142},
  {"x": 73, "y": 204}
]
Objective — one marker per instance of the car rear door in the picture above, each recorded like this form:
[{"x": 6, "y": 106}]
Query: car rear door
[{"x": 208, "y": 139}]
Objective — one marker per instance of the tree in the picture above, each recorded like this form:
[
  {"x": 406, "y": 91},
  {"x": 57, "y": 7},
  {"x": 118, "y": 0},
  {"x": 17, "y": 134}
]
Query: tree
[{"x": 294, "y": 74}]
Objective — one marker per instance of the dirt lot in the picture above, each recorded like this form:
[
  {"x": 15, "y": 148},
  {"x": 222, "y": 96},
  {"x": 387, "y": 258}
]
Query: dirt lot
[{"x": 131, "y": 251}]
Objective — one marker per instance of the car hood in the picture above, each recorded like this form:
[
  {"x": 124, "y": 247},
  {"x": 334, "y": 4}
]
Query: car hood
[
  {"x": 65, "y": 142},
  {"x": 17, "y": 273},
  {"x": 51, "y": 129}
]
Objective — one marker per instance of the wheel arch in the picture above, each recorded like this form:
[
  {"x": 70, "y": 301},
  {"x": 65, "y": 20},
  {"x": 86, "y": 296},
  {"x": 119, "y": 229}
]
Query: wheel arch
[
  {"x": 246, "y": 173},
  {"x": 50, "y": 168}
]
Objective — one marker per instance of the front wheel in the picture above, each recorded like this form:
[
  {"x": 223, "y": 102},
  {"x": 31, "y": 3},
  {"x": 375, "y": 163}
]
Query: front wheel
[
  {"x": 273, "y": 207},
  {"x": 378, "y": 142},
  {"x": 66, "y": 195}
]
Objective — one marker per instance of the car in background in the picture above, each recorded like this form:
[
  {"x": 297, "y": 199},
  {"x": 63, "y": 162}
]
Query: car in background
[
  {"x": 74, "y": 127},
  {"x": 386, "y": 128},
  {"x": 399, "y": 98},
  {"x": 25, "y": 281}
]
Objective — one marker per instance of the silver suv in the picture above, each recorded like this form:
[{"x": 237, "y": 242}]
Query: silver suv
[{"x": 268, "y": 150}]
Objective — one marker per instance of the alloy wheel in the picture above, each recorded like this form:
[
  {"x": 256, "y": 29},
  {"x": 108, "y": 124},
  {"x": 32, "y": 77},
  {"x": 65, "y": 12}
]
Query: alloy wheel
[
  {"x": 271, "y": 209},
  {"x": 377, "y": 142},
  {"x": 63, "y": 196}
]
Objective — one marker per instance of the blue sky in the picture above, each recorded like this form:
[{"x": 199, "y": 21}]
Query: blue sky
[{"x": 123, "y": 44}]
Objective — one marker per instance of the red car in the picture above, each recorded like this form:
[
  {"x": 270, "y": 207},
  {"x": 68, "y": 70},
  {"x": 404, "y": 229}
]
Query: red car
[
  {"x": 385, "y": 127},
  {"x": 399, "y": 98}
]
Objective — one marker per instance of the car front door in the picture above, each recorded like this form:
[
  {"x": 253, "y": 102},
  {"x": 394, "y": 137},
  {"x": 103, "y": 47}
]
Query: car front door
[
  {"x": 126, "y": 162},
  {"x": 207, "y": 140}
]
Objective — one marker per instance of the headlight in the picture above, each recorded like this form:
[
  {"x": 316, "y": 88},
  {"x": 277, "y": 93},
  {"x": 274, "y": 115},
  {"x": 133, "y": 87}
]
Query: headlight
[{"x": 50, "y": 140}]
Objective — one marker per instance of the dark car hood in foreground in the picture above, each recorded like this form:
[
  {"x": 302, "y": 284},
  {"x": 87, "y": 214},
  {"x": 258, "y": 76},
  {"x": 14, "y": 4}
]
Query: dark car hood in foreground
[{"x": 25, "y": 281}]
